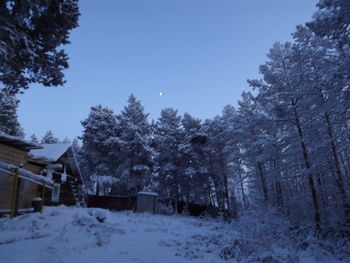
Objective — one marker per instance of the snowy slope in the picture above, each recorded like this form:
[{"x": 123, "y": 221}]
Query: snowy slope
[
  {"x": 75, "y": 235},
  {"x": 63, "y": 234}
]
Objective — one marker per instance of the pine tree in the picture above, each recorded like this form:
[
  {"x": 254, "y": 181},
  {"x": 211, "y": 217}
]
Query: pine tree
[
  {"x": 219, "y": 157},
  {"x": 167, "y": 138},
  {"x": 136, "y": 157},
  {"x": 34, "y": 139},
  {"x": 100, "y": 153},
  {"x": 49, "y": 138},
  {"x": 332, "y": 20},
  {"x": 75, "y": 144},
  {"x": 67, "y": 140},
  {"x": 194, "y": 180},
  {"x": 30, "y": 33},
  {"x": 8, "y": 115}
]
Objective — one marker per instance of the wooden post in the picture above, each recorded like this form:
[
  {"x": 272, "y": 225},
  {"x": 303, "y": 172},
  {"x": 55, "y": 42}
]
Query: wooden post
[
  {"x": 42, "y": 197},
  {"x": 15, "y": 191}
]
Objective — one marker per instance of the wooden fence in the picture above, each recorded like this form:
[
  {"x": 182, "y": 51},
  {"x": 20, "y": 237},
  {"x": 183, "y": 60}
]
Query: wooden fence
[
  {"x": 117, "y": 203},
  {"x": 122, "y": 203}
]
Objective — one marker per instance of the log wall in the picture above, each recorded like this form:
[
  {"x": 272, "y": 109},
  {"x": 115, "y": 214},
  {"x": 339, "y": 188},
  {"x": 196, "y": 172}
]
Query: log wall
[
  {"x": 12, "y": 155},
  {"x": 6, "y": 182},
  {"x": 28, "y": 189}
]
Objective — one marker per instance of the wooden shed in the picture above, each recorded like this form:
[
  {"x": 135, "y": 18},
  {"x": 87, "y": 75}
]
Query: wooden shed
[
  {"x": 20, "y": 182},
  {"x": 147, "y": 202}
]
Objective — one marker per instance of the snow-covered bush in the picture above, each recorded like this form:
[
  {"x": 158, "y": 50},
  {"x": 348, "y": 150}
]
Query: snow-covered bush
[
  {"x": 266, "y": 236},
  {"x": 101, "y": 215},
  {"x": 266, "y": 226},
  {"x": 165, "y": 209},
  {"x": 90, "y": 217},
  {"x": 83, "y": 219}
]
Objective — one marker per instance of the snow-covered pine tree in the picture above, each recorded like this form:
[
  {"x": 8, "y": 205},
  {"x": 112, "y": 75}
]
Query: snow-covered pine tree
[
  {"x": 99, "y": 152},
  {"x": 136, "y": 154},
  {"x": 284, "y": 87},
  {"x": 332, "y": 20},
  {"x": 219, "y": 153},
  {"x": 30, "y": 34},
  {"x": 66, "y": 140},
  {"x": 49, "y": 138},
  {"x": 167, "y": 139},
  {"x": 76, "y": 146},
  {"x": 248, "y": 132},
  {"x": 194, "y": 179},
  {"x": 34, "y": 139},
  {"x": 8, "y": 114},
  {"x": 330, "y": 109},
  {"x": 232, "y": 164},
  {"x": 293, "y": 133}
]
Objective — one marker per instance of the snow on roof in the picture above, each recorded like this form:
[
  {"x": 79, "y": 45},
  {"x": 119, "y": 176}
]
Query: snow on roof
[
  {"x": 50, "y": 152},
  {"x": 147, "y": 193},
  {"x": 18, "y": 142}
]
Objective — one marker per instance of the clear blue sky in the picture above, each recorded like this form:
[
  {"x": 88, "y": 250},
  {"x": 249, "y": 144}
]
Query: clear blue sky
[{"x": 199, "y": 53}]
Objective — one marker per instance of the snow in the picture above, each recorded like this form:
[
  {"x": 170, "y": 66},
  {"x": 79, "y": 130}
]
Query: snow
[
  {"x": 63, "y": 234},
  {"x": 55, "y": 166},
  {"x": 66, "y": 234},
  {"x": 23, "y": 173},
  {"x": 147, "y": 193},
  {"x": 28, "y": 144},
  {"x": 64, "y": 176},
  {"x": 50, "y": 152},
  {"x": 104, "y": 179},
  {"x": 140, "y": 167}
]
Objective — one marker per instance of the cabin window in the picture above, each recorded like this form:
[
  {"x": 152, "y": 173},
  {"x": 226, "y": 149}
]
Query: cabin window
[{"x": 55, "y": 197}]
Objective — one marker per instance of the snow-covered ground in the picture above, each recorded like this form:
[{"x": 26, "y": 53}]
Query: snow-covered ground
[{"x": 63, "y": 234}]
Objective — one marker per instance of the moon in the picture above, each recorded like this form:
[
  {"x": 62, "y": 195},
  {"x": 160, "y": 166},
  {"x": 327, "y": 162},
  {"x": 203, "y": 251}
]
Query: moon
[{"x": 160, "y": 94}]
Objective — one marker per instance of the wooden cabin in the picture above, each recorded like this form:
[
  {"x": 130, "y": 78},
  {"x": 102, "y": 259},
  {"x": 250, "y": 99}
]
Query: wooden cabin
[
  {"x": 62, "y": 158},
  {"x": 20, "y": 181}
]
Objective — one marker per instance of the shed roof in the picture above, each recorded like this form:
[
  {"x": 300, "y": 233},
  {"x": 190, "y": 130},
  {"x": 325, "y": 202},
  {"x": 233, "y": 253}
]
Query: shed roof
[
  {"x": 50, "y": 152},
  {"x": 147, "y": 193},
  {"x": 17, "y": 142}
]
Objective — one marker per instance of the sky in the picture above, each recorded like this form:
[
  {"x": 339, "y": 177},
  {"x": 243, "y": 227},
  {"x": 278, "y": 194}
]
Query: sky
[{"x": 197, "y": 53}]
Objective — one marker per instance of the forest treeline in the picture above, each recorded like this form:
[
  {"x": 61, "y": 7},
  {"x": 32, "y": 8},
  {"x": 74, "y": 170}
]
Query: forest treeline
[{"x": 286, "y": 145}]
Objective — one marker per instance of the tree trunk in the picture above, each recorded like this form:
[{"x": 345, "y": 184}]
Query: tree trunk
[
  {"x": 317, "y": 217},
  {"x": 242, "y": 190},
  {"x": 263, "y": 181},
  {"x": 339, "y": 177},
  {"x": 227, "y": 196}
]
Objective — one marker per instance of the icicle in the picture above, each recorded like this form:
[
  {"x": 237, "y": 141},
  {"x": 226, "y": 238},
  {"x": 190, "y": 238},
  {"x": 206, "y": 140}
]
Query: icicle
[{"x": 64, "y": 175}]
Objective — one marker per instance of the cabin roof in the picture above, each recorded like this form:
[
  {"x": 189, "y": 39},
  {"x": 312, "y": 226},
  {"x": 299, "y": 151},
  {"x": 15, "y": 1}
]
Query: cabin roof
[
  {"x": 17, "y": 142},
  {"x": 50, "y": 152}
]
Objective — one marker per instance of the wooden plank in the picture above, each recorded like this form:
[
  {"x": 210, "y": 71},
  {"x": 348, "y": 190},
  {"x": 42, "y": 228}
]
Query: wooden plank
[
  {"x": 33, "y": 168},
  {"x": 6, "y": 191},
  {"x": 42, "y": 197},
  {"x": 14, "y": 194},
  {"x": 25, "y": 195},
  {"x": 28, "y": 191},
  {"x": 12, "y": 150}
]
